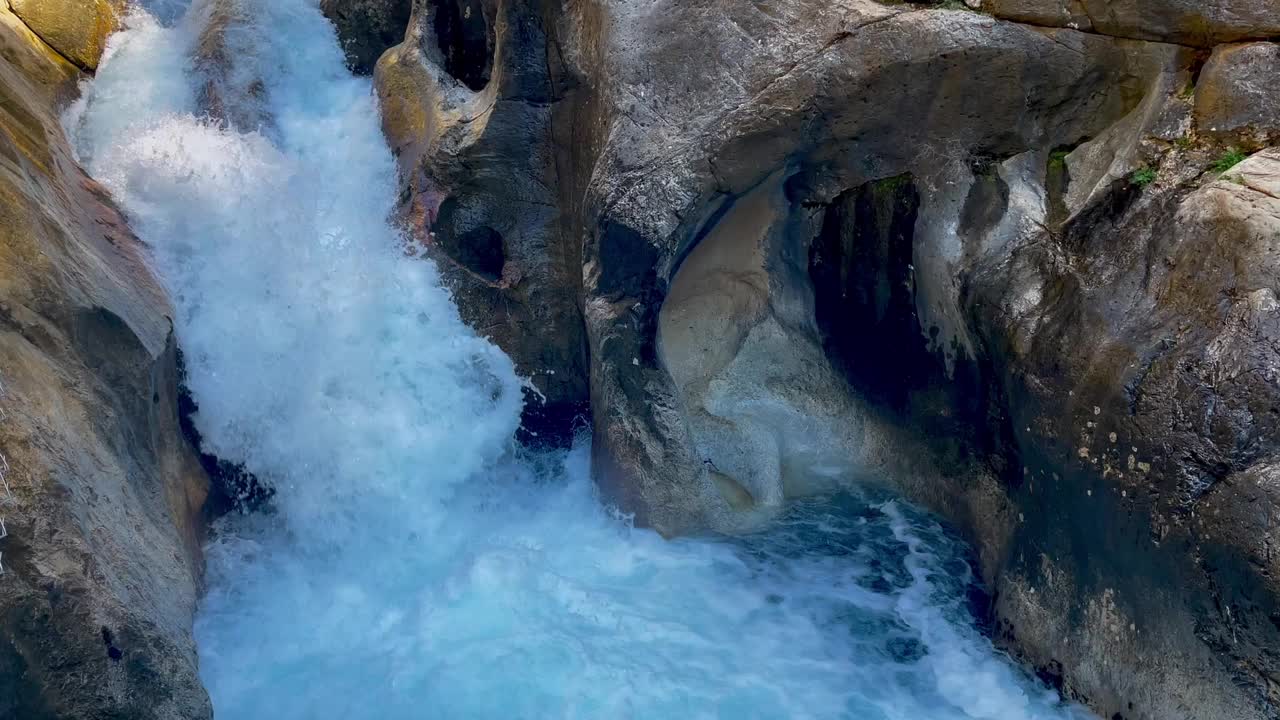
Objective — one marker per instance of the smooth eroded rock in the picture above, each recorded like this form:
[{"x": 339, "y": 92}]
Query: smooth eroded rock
[
  {"x": 101, "y": 496},
  {"x": 76, "y": 29},
  {"x": 474, "y": 106}
]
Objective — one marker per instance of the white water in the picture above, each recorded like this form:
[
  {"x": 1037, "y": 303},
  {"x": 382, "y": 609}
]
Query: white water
[{"x": 417, "y": 566}]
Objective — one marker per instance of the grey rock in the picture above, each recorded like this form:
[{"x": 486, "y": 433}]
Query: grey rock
[
  {"x": 824, "y": 242},
  {"x": 1238, "y": 95}
]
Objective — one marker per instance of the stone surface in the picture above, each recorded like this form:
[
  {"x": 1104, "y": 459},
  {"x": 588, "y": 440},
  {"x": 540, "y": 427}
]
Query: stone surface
[
  {"x": 101, "y": 496},
  {"x": 1238, "y": 94},
  {"x": 819, "y": 242},
  {"x": 1202, "y": 23},
  {"x": 473, "y": 105},
  {"x": 1129, "y": 447},
  {"x": 76, "y": 29},
  {"x": 367, "y": 28}
]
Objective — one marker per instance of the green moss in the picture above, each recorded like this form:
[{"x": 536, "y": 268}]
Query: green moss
[
  {"x": 1187, "y": 92},
  {"x": 1186, "y": 142},
  {"x": 1229, "y": 159},
  {"x": 1058, "y": 159},
  {"x": 1143, "y": 176}
]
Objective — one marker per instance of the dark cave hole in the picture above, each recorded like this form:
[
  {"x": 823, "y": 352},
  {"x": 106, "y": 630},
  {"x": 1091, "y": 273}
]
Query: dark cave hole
[
  {"x": 469, "y": 242},
  {"x": 465, "y": 41},
  {"x": 862, "y": 266}
]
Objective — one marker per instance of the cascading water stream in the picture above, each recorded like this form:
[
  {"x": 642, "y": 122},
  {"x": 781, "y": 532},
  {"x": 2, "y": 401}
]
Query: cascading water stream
[{"x": 416, "y": 564}]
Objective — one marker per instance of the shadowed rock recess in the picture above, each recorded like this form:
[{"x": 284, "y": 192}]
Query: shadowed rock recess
[{"x": 1006, "y": 260}]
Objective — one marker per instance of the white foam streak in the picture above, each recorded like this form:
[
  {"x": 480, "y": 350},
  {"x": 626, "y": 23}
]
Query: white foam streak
[{"x": 415, "y": 566}]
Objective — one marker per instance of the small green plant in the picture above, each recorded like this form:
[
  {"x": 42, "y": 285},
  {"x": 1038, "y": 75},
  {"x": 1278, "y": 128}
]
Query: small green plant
[
  {"x": 1186, "y": 142},
  {"x": 1143, "y": 176},
  {"x": 1058, "y": 159},
  {"x": 1229, "y": 159},
  {"x": 1188, "y": 91}
]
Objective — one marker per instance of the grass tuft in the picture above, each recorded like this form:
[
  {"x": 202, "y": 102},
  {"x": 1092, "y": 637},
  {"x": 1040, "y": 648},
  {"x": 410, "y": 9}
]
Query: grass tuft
[
  {"x": 1229, "y": 159},
  {"x": 1143, "y": 176}
]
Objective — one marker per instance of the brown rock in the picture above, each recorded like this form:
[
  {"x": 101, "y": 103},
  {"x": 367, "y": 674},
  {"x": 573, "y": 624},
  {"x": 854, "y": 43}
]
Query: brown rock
[
  {"x": 1188, "y": 22},
  {"x": 101, "y": 495},
  {"x": 1238, "y": 94},
  {"x": 76, "y": 29},
  {"x": 1050, "y": 13}
]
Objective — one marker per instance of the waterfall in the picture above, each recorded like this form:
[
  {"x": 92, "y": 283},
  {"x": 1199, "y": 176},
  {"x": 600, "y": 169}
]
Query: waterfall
[{"x": 414, "y": 562}]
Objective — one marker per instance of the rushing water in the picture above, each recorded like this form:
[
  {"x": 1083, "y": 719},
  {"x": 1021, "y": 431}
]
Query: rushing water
[{"x": 416, "y": 564}]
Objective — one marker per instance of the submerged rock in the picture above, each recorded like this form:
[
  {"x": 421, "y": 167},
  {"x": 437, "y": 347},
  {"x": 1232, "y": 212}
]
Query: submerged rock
[
  {"x": 828, "y": 242},
  {"x": 101, "y": 496}
]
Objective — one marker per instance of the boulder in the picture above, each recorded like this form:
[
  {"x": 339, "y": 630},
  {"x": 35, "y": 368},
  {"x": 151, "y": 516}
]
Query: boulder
[
  {"x": 101, "y": 496},
  {"x": 76, "y": 29},
  {"x": 1238, "y": 95}
]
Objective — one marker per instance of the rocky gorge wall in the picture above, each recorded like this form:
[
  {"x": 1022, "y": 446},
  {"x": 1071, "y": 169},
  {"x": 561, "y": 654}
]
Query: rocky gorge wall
[
  {"x": 1018, "y": 260},
  {"x": 1010, "y": 258},
  {"x": 101, "y": 500}
]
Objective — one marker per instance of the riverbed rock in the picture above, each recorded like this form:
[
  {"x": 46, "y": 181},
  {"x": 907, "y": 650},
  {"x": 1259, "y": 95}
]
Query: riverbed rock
[
  {"x": 986, "y": 262},
  {"x": 101, "y": 495}
]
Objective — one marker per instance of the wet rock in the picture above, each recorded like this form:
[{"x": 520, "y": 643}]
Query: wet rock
[
  {"x": 474, "y": 106},
  {"x": 1238, "y": 97},
  {"x": 101, "y": 496},
  {"x": 231, "y": 88},
  {"x": 76, "y": 29},
  {"x": 367, "y": 28}
]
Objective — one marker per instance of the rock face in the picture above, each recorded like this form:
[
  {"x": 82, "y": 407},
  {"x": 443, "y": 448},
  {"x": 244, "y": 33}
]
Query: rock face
[
  {"x": 1238, "y": 95},
  {"x": 993, "y": 263},
  {"x": 75, "y": 29},
  {"x": 101, "y": 498},
  {"x": 474, "y": 105}
]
